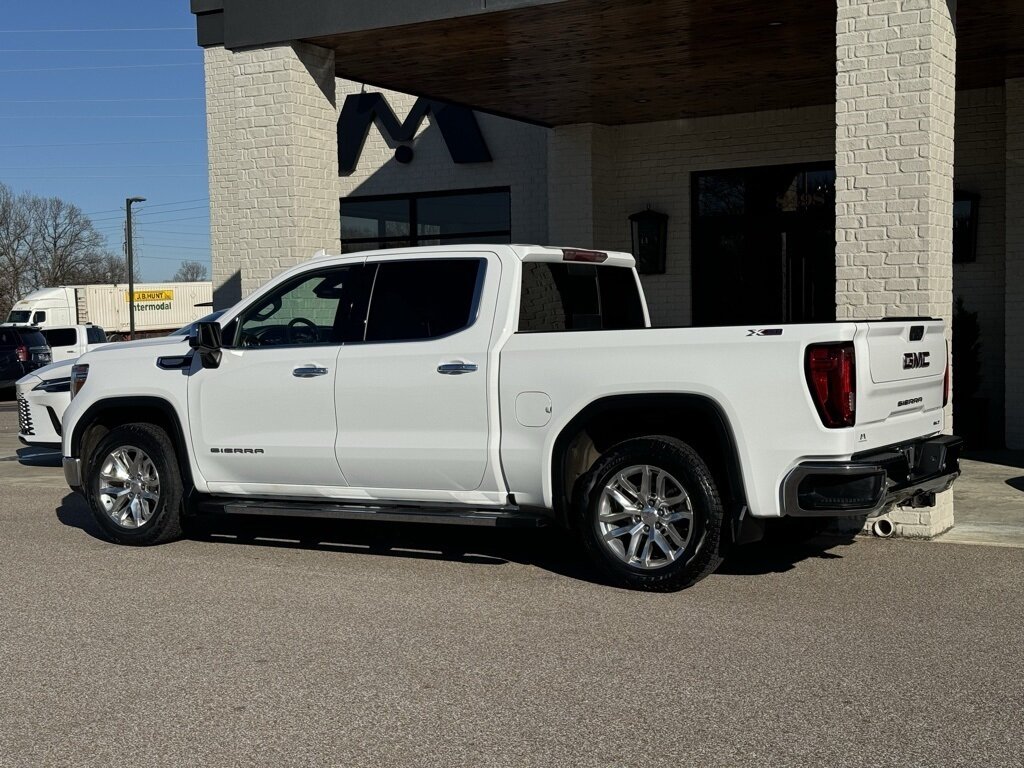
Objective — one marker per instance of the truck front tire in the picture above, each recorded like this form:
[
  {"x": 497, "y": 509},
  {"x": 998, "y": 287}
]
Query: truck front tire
[
  {"x": 133, "y": 485},
  {"x": 649, "y": 516}
]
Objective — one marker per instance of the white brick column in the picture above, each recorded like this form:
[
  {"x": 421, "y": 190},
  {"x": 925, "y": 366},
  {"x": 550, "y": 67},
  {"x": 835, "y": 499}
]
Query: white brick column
[
  {"x": 895, "y": 81},
  {"x": 1014, "y": 306},
  {"x": 578, "y": 166},
  {"x": 273, "y": 161}
]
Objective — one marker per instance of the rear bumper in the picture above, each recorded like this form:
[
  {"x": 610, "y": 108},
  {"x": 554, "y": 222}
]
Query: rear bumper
[{"x": 911, "y": 472}]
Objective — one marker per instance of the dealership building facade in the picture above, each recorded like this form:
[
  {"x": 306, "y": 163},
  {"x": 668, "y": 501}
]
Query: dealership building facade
[{"x": 847, "y": 159}]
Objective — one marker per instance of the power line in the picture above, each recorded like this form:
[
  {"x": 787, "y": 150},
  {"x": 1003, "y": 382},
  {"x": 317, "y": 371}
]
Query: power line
[
  {"x": 177, "y": 202},
  {"x": 111, "y": 66},
  {"x": 97, "y": 50},
  {"x": 183, "y": 218},
  {"x": 178, "y": 232},
  {"x": 142, "y": 210},
  {"x": 97, "y": 101},
  {"x": 143, "y": 242},
  {"x": 102, "y": 29},
  {"x": 103, "y": 143},
  {"x": 104, "y": 165},
  {"x": 109, "y": 176},
  {"x": 98, "y": 117}
]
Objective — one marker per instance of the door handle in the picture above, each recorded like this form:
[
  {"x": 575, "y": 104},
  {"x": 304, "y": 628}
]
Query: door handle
[
  {"x": 456, "y": 368},
  {"x": 308, "y": 372}
]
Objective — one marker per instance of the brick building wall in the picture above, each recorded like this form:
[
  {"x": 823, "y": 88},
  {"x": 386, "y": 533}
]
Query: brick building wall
[
  {"x": 272, "y": 173},
  {"x": 895, "y": 95}
]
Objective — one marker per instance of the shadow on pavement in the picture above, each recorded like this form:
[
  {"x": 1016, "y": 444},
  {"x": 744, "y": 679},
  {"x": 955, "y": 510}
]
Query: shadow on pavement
[
  {"x": 549, "y": 549},
  {"x": 39, "y": 457},
  {"x": 1017, "y": 483}
]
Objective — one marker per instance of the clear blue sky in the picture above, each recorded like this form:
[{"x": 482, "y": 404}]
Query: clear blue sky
[{"x": 98, "y": 116}]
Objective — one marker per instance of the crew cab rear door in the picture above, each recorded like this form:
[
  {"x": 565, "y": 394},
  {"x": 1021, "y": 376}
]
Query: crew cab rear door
[{"x": 412, "y": 397}]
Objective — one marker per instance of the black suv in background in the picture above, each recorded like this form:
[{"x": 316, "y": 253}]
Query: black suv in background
[{"x": 22, "y": 350}]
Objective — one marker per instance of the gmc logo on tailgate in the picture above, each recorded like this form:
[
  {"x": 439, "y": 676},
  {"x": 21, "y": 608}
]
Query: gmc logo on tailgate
[{"x": 912, "y": 360}]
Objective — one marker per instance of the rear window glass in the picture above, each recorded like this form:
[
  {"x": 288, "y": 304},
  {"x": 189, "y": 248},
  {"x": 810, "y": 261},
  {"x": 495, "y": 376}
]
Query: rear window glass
[
  {"x": 61, "y": 337},
  {"x": 578, "y": 297},
  {"x": 95, "y": 335},
  {"x": 415, "y": 300},
  {"x": 19, "y": 337}
]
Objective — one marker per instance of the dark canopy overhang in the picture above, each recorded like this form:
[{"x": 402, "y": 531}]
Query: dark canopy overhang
[{"x": 604, "y": 61}]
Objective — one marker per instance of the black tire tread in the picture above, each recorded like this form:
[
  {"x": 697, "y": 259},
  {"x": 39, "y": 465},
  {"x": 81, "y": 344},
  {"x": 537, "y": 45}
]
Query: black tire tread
[{"x": 166, "y": 525}]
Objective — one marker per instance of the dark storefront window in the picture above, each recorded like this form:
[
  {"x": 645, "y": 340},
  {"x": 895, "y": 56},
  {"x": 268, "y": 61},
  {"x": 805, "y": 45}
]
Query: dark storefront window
[
  {"x": 764, "y": 245},
  {"x": 434, "y": 218}
]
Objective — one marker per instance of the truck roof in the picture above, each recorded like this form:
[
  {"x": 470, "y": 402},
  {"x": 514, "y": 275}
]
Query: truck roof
[{"x": 546, "y": 253}]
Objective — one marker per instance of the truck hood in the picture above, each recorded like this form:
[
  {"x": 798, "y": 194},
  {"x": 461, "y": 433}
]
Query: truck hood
[
  {"x": 57, "y": 370},
  {"x": 120, "y": 348}
]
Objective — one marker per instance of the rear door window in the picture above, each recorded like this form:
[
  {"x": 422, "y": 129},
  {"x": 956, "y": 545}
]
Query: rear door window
[
  {"x": 424, "y": 299},
  {"x": 578, "y": 297},
  {"x": 61, "y": 337},
  {"x": 32, "y": 339}
]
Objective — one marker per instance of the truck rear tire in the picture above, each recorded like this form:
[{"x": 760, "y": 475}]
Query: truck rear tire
[
  {"x": 649, "y": 516},
  {"x": 133, "y": 485}
]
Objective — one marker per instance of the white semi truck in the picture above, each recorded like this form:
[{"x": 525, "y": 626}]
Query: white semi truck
[{"x": 159, "y": 307}]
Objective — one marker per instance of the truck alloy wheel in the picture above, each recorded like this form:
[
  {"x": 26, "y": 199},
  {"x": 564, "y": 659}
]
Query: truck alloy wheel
[
  {"x": 129, "y": 486},
  {"x": 644, "y": 517},
  {"x": 649, "y": 516},
  {"x": 134, "y": 485}
]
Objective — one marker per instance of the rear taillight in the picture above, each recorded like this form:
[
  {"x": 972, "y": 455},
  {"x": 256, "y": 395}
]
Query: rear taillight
[
  {"x": 832, "y": 378},
  {"x": 945, "y": 381},
  {"x": 22, "y": 353}
]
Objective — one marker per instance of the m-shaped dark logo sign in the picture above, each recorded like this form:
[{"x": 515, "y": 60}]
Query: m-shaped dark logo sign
[{"x": 458, "y": 126}]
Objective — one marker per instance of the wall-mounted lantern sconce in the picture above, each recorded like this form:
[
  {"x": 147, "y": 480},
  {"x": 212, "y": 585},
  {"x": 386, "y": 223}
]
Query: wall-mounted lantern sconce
[
  {"x": 965, "y": 226},
  {"x": 650, "y": 241}
]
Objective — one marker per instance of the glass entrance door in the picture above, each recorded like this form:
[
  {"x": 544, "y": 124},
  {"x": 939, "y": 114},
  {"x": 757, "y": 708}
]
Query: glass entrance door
[{"x": 764, "y": 245}]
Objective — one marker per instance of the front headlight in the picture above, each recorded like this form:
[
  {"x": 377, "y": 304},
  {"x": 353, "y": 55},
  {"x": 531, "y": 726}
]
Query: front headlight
[
  {"x": 53, "y": 385},
  {"x": 79, "y": 373}
]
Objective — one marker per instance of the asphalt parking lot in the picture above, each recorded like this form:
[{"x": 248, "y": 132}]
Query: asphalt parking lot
[{"x": 366, "y": 645}]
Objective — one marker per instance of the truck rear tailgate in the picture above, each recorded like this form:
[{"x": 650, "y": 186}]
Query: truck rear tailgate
[{"x": 906, "y": 365}]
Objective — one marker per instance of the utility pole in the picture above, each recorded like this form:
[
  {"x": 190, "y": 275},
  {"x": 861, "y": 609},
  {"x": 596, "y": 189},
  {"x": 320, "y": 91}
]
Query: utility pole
[{"x": 129, "y": 236}]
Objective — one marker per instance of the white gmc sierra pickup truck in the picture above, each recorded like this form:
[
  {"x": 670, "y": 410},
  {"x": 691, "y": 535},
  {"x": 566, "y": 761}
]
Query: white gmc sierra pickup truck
[{"x": 509, "y": 385}]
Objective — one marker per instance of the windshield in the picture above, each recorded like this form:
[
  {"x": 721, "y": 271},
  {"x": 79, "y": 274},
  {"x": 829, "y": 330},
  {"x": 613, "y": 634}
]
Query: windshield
[
  {"x": 19, "y": 316},
  {"x": 187, "y": 330}
]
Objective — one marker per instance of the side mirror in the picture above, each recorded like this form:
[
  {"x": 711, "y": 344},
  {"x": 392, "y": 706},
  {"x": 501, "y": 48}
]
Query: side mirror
[{"x": 206, "y": 340}]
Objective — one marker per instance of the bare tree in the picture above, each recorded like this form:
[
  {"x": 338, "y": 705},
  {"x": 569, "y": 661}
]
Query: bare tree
[
  {"x": 65, "y": 246},
  {"x": 15, "y": 251},
  {"x": 190, "y": 272},
  {"x": 46, "y": 241}
]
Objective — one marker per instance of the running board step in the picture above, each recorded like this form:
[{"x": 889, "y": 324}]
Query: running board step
[{"x": 495, "y": 517}]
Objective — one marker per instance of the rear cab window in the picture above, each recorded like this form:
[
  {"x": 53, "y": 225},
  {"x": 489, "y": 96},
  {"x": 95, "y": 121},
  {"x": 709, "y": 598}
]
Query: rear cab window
[
  {"x": 95, "y": 335},
  {"x": 578, "y": 297}
]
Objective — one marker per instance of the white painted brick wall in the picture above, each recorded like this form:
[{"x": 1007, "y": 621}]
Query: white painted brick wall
[
  {"x": 980, "y": 167},
  {"x": 273, "y": 199},
  {"x": 894, "y": 163},
  {"x": 1015, "y": 263}
]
